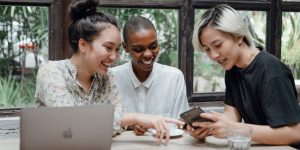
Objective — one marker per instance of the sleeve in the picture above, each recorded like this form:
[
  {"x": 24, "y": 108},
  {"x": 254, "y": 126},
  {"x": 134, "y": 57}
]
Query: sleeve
[
  {"x": 279, "y": 102},
  {"x": 116, "y": 100},
  {"x": 51, "y": 87},
  {"x": 181, "y": 101}
]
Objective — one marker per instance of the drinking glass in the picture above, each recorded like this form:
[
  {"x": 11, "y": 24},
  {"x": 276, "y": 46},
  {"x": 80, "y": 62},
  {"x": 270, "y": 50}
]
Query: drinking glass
[{"x": 239, "y": 138}]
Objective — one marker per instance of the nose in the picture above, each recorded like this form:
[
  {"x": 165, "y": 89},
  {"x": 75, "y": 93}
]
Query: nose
[
  {"x": 113, "y": 56},
  {"x": 214, "y": 54},
  {"x": 148, "y": 53}
]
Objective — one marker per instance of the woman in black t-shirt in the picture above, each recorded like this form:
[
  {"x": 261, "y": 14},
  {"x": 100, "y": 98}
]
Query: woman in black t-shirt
[{"x": 260, "y": 89}]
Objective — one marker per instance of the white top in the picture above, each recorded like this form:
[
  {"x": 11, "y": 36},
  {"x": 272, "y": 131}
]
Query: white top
[{"x": 163, "y": 93}]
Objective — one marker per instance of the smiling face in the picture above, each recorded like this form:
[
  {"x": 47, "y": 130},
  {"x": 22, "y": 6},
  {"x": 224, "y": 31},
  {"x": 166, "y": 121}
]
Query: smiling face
[
  {"x": 103, "y": 51},
  {"x": 143, "y": 48},
  {"x": 221, "y": 47}
]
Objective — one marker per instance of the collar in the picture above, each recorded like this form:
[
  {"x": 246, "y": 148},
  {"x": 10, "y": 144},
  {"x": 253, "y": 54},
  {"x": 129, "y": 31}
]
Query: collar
[{"x": 135, "y": 80}]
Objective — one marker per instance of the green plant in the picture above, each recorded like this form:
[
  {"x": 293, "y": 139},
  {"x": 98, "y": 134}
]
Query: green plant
[
  {"x": 16, "y": 94},
  {"x": 9, "y": 92},
  {"x": 291, "y": 42}
]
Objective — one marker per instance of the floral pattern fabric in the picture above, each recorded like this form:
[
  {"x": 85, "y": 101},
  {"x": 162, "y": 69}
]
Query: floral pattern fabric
[{"x": 57, "y": 86}]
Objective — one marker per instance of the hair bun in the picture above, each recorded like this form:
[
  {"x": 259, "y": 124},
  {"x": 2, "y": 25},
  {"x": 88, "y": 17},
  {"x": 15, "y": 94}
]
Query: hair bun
[{"x": 81, "y": 8}]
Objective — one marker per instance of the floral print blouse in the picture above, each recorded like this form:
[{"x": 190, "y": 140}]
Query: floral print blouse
[{"x": 57, "y": 86}]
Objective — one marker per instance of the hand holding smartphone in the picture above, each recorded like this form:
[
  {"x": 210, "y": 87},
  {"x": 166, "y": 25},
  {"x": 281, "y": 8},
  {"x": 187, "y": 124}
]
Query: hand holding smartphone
[{"x": 193, "y": 115}]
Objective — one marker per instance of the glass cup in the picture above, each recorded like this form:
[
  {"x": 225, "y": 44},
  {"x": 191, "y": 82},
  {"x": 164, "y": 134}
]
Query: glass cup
[{"x": 239, "y": 138}]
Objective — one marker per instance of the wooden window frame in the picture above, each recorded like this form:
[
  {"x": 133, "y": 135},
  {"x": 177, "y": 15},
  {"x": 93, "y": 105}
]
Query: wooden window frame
[{"x": 186, "y": 13}]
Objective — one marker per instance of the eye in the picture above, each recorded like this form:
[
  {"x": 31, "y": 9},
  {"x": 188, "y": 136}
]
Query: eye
[
  {"x": 138, "y": 49},
  {"x": 153, "y": 46},
  {"x": 108, "y": 48},
  {"x": 218, "y": 45}
]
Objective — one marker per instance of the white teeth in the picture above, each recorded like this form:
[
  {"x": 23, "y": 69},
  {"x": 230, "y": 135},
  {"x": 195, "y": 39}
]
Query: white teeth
[
  {"x": 222, "y": 61},
  {"x": 147, "y": 62},
  {"x": 106, "y": 65}
]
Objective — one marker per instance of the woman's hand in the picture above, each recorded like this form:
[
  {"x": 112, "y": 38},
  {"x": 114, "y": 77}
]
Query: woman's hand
[
  {"x": 139, "y": 130},
  {"x": 199, "y": 133},
  {"x": 219, "y": 125},
  {"x": 159, "y": 123}
]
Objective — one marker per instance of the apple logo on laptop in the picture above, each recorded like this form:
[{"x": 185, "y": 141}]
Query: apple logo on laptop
[{"x": 67, "y": 134}]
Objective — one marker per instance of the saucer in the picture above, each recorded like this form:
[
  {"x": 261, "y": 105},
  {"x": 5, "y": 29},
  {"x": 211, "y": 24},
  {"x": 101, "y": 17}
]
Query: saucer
[{"x": 174, "y": 132}]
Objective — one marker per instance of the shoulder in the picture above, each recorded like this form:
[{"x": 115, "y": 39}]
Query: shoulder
[
  {"x": 168, "y": 70},
  {"x": 269, "y": 64},
  {"x": 50, "y": 66},
  {"x": 120, "y": 68}
]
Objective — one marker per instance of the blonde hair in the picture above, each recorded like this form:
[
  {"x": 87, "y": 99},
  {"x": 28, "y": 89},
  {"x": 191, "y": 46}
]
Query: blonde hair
[{"x": 226, "y": 19}]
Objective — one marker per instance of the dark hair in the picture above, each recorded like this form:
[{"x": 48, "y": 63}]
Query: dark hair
[
  {"x": 86, "y": 21},
  {"x": 135, "y": 24}
]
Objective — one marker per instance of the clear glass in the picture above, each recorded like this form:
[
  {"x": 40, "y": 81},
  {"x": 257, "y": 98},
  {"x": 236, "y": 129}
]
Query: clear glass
[
  {"x": 24, "y": 45},
  {"x": 290, "y": 46},
  {"x": 208, "y": 75},
  {"x": 239, "y": 138},
  {"x": 166, "y": 24}
]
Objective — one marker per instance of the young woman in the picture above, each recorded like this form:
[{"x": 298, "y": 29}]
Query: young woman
[
  {"x": 260, "y": 89},
  {"x": 147, "y": 86},
  {"x": 85, "y": 79}
]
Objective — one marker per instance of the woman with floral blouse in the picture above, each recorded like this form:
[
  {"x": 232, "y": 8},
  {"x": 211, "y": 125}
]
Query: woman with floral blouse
[{"x": 86, "y": 79}]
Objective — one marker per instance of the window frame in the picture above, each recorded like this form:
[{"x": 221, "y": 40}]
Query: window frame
[
  {"x": 55, "y": 36},
  {"x": 186, "y": 13}
]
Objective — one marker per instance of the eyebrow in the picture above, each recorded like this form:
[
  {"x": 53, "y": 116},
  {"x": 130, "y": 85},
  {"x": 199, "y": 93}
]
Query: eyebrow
[
  {"x": 215, "y": 41},
  {"x": 112, "y": 43},
  {"x": 154, "y": 42}
]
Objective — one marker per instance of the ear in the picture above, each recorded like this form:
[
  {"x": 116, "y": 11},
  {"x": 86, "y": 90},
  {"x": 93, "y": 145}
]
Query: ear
[
  {"x": 82, "y": 45},
  {"x": 240, "y": 40},
  {"x": 125, "y": 47}
]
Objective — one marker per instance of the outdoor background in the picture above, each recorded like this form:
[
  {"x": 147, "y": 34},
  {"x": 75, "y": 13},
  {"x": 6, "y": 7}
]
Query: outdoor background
[{"x": 24, "y": 45}]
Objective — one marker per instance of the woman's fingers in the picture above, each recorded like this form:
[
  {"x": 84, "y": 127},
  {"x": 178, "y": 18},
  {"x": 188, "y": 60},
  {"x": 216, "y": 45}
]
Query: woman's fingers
[
  {"x": 213, "y": 117},
  {"x": 139, "y": 130},
  {"x": 167, "y": 131},
  {"x": 172, "y": 120}
]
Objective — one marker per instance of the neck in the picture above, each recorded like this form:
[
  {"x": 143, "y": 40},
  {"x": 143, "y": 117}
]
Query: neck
[
  {"x": 84, "y": 75},
  {"x": 247, "y": 56},
  {"x": 141, "y": 74}
]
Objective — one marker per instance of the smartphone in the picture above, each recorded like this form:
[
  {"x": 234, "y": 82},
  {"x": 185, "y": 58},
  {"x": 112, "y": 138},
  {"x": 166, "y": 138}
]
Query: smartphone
[{"x": 193, "y": 115}]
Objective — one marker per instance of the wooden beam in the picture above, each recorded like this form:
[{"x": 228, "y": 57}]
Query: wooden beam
[{"x": 161, "y": 4}]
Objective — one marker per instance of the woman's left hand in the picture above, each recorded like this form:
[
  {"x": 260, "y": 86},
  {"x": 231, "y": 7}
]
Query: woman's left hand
[{"x": 219, "y": 126}]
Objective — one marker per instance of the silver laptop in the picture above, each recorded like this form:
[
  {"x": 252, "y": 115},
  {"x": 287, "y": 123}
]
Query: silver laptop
[{"x": 67, "y": 128}]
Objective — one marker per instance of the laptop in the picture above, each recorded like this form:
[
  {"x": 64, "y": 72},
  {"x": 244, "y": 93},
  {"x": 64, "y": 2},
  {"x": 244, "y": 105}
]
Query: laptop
[{"x": 67, "y": 128}]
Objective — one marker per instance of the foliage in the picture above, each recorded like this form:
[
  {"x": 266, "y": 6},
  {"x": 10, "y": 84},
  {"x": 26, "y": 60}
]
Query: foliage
[
  {"x": 291, "y": 42},
  {"x": 19, "y": 25},
  {"x": 166, "y": 23},
  {"x": 13, "y": 95}
]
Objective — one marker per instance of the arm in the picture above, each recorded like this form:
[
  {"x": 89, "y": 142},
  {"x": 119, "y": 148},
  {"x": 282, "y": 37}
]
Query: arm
[
  {"x": 263, "y": 134},
  {"x": 114, "y": 96}
]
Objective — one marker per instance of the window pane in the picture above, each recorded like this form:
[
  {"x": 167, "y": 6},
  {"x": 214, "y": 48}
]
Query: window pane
[
  {"x": 23, "y": 47},
  {"x": 290, "y": 52},
  {"x": 166, "y": 24},
  {"x": 209, "y": 76},
  {"x": 292, "y": 0}
]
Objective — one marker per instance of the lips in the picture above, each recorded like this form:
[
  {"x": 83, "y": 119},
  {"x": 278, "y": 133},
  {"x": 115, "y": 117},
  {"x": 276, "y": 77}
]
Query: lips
[
  {"x": 106, "y": 65},
  {"x": 147, "y": 63},
  {"x": 222, "y": 61}
]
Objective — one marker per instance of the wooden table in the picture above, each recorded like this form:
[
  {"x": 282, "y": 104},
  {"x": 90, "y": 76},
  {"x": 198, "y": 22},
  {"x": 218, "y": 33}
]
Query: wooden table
[{"x": 128, "y": 141}]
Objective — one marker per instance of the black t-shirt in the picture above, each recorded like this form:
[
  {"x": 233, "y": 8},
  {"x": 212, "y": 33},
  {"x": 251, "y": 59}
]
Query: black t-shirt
[{"x": 264, "y": 93}]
